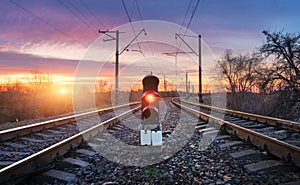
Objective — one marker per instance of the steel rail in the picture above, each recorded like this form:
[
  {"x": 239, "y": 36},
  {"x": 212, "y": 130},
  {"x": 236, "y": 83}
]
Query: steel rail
[
  {"x": 274, "y": 146},
  {"x": 39, "y": 160},
  {"x": 28, "y": 129},
  {"x": 290, "y": 125}
]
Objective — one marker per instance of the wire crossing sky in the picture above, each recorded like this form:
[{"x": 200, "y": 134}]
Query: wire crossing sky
[{"x": 54, "y": 34}]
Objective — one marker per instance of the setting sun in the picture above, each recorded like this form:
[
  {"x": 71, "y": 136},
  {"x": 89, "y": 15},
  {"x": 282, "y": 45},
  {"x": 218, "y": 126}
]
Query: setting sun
[{"x": 63, "y": 91}]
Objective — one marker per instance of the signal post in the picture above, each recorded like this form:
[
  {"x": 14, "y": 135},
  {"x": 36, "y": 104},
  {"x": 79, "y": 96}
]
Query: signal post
[{"x": 150, "y": 128}]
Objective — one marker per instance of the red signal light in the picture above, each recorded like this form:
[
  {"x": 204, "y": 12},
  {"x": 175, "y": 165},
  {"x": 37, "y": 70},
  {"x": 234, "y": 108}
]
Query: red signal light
[{"x": 150, "y": 98}]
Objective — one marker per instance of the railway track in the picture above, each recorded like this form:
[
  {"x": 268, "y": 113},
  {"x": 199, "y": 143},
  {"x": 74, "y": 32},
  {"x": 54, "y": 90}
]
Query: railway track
[
  {"x": 211, "y": 155},
  {"x": 26, "y": 149},
  {"x": 277, "y": 136}
]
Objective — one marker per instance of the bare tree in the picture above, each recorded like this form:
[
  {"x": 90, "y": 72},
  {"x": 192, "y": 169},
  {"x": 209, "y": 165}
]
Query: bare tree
[
  {"x": 285, "y": 48},
  {"x": 12, "y": 101},
  {"x": 100, "y": 85},
  {"x": 39, "y": 81},
  {"x": 264, "y": 78},
  {"x": 239, "y": 71},
  {"x": 227, "y": 65}
]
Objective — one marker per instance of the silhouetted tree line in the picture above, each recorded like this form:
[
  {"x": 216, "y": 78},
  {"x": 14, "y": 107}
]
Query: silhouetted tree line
[
  {"x": 37, "y": 97},
  {"x": 32, "y": 98},
  {"x": 266, "y": 81}
]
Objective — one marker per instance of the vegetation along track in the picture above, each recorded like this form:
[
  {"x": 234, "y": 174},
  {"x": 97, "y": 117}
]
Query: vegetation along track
[
  {"x": 24, "y": 150},
  {"x": 277, "y": 136}
]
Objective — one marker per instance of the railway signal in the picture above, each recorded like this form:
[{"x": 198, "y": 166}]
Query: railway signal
[{"x": 151, "y": 130}]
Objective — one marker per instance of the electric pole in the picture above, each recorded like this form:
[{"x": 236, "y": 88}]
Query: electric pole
[
  {"x": 165, "y": 83},
  {"x": 174, "y": 54},
  {"x": 117, "y": 32},
  {"x": 116, "y": 59},
  {"x": 200, "y": 70},
  {"x": 199, "y": 60},
  {"x": 186, "y": 82},
  {"x": 117, "y": 67}
]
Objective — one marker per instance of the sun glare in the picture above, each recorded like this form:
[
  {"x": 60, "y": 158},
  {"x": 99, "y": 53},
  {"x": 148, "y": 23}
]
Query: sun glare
[{"x": 63, "y": 91}]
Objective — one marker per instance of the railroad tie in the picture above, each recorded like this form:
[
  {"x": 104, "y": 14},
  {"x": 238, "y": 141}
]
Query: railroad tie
[
  {"x": 61, "y": 176},
  {"x": 70, "y": 163},
  {"x": 201, "y": 126},
  {"x": 229, "y": 144},
  {"x": 243, "y": 153},
  {"x": 211, "y": 133},
  {"x": 262, "y": 165},
  {"x": 221, "y": 137},
  {"x": 86, "y": 152},
  {"x": 206, "y": 129}
]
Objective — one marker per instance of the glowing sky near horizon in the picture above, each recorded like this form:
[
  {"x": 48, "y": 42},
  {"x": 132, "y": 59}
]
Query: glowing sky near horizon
[{"x": 26, "y": 42}]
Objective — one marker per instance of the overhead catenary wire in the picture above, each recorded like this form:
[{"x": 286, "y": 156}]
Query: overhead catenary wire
[
  {"x": 185, "y": 16},
  {"x": 133, "y": 30},
  {"x": 190, "y": 21},
  {"x": 130, "y": 21},
  {"x": 82, "y": 14},
  {"x": 126, "y": 11},
  {"x": 141, "y": 19},
  {"x": 182, "y": 24},
  {"x": 79, "y": 18},
  {"x": 193, "y": 13},
  {"x": 44, "y": 21},
  {"x": 92, "y": 13}
]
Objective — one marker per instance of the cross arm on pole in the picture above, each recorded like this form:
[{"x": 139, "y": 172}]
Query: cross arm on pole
[
  {"x": 143, "y": 30},
  {"x": 175, "y": 53},
  {"x": 105, "y": 32},
  {"x": 199, "y": 60},
  {"x": 179, "y": 36}
]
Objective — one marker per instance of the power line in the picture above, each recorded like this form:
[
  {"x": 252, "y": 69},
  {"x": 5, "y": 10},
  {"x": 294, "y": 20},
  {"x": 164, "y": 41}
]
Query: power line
[
  {"x": 138, "y": 9},
  {"x": 187, "y": 10},
  {"x": 44, "y": 21},
  {"x": 193, "y": 13},
  {"x": 130, "y": 21},
  {"x": 140, "y": 16},
  {"x": 190, "y": 21},
  {"x": 133, "y": 10},
  {"x": 126, "y": 11},
  {"x": 182, "y": 24},
  {"x": 81, "y": 20},
  {"x": 91, "y": 12},
  {"x": 82, "y": 14},
  {"x": 191, "y": 18}
]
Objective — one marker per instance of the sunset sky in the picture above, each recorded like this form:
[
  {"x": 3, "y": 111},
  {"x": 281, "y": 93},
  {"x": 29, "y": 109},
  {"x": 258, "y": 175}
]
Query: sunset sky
[{"x": 53, "y": 35}]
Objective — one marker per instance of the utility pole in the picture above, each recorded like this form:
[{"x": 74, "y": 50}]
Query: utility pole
[
  {"x": 174, "y": 54},
  {"x": 117, "y": 32},
  {"x": 117, "y": 67},
  {"x": 200, "y": 70},
  {"x": 186, "y": 82},
  {"x": 165, "y": 83},
  {"x": 199, "y": 60}
]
